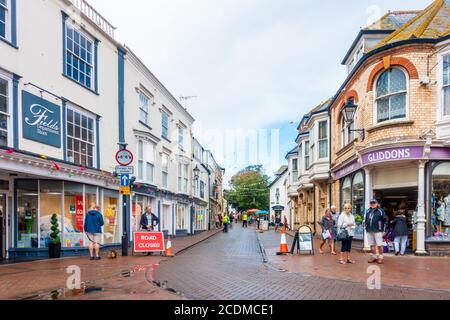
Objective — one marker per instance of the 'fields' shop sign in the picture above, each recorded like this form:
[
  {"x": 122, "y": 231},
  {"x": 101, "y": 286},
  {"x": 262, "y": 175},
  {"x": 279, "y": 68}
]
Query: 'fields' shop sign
[
  {"x": 393, "y": 154},
  {"x": 41, "y": 120}
]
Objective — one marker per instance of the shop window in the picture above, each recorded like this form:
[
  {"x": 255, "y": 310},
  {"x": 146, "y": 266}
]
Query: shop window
[
  {"x": 50, "y": 203},
  {"x": 346, "y": 192},
  {"x": 140, "y": 203},
  {"x": 391, "y": 95},
  {"x": 166, "y": 217},
  {"x": 111, "y": 229},
  {"x": 74, "y": 211},
  {"x": 358, "y": 204},
  {"x": 4, "y": 111},
  {"x": 181, "y": 217},
  {"x": 446, "y": 86},
  {"x": 27, "y": 213},
  {"x": 80, "y": 57},
  {"x": 441, "y": 201},
  {"x": 80, "y": 138}
]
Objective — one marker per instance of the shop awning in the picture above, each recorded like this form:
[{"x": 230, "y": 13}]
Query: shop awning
[{"x": 278, "y": 208}]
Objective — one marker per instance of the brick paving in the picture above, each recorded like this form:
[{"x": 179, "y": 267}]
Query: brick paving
[
  {"x": 407, "y": 271},
  {"x": 229, "y": 266},
  {"x": 35, "y": 280}
]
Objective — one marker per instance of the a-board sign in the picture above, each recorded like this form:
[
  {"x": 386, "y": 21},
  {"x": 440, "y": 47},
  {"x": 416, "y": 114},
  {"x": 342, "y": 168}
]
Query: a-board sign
[
  {"x": 149, "y": 242},
  {"x": 264, "y": 225},
  {"x": 303, "y": 240}
]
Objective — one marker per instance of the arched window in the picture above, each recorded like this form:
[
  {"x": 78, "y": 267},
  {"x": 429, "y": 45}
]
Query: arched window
[{"x": 391, "y": 93}]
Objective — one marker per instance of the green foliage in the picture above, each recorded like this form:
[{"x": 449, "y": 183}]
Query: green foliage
[
  {"x": 249, "y": 189},
  {"x": 55, "y": 231}
]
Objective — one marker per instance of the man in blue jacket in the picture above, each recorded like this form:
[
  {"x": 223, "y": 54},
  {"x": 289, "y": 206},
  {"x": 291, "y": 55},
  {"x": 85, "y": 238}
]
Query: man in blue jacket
[
  {"x": 93, "y": 224},
  {"x": 375, "y": 223}
]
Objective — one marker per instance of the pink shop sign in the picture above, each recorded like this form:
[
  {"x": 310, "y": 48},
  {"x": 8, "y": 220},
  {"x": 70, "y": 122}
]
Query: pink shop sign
[
  {"x": 393, "y": 154},
  {"x": 352, "y": 167}
]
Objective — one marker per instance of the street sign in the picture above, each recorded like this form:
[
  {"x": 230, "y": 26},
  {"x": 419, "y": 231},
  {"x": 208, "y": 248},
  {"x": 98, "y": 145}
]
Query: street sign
[
  {"x": 149, "y": 242},
  {"x": 125, "y": 180},
  {"x": 125, "y": 191},
  {"x": 124, "y": 170},
  {"x": 124, "y": 157}
]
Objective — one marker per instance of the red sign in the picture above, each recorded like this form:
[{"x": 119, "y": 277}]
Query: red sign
[
  {"x": 79, "y": 212},
  {"x": 149, "y": 242},
  {"x": 124, "y": 157}
]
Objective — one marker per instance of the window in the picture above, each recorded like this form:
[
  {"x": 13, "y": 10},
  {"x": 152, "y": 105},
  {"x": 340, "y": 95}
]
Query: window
[
  {"x": 4, "y": 111},
  {"x": 181, "y": 138},
  {"x": 143, "y": 108},
  {"x": 80, "y": 138},
  {"x": 323, "y": 139},
  {"x": 391, "y": 95},
  {"x": 294, "y": 170},
  {"x": 353, "y": 193},
  {"x": 307, "y": 160},
  {"x": 347, "y": 133},
  {"x": 165, "y": 125},
  {"x": 440, "y": 200},
  {"x": 4, "y": 17},
  {"x": 202, "y": 189},
  {"x": 165, "y": 171},
  {"x": 146, "y": 161},
  {"x": 79, "y": 57},
  {"x": 446, "y": 86},
  {"x": 182, "y": 177}
]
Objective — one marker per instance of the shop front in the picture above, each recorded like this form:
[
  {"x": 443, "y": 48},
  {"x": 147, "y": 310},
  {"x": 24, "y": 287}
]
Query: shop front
[
  {"x": 200, "y": 216},
  {"x": 410, "y": 180}
]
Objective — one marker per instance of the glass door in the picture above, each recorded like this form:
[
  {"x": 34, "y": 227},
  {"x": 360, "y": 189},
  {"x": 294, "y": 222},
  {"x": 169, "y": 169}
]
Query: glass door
[{"x": 3, "y": 225}]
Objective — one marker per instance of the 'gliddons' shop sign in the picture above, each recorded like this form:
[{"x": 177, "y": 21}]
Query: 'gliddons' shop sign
[
  {"x": 41, "y": 120},
  {"x": 393, "y": 154}
]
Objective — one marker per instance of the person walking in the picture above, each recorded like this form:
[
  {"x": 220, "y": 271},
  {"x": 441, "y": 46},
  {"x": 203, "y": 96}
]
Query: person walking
[
  {"x": 244, "y": 220},
  {"x": 400, "y": 224},
  {"x": 93, "y": 224},
  {"x": 375, "y": 224},
  {"x": 327, "y": 232},
  {"x": 231, "y": 220},
  {"x": 335, "y": 216},
  {"x": 225, "y": 221},
  {"x": 217, "y": 222},
  {"x": 277, "y": 222},
  {"x": 347, "y": 225}
]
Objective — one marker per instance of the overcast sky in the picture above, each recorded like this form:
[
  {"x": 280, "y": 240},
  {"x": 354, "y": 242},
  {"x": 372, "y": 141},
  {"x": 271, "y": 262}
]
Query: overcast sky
[{"x": 254, "y": 64}]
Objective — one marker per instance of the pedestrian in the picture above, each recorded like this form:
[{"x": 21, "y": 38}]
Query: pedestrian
[
  {"x": 220, "y": 220},
  {"x": 217, "y": 221},
  {"x": 328, "y": 233},
  {"x": 258, "y": 222},
  {"x": 225, "y": 221},
  {"x": 335, "y": 215},
  {"x": 236, "y": 216},
  {"x": 93, "y": 224},
  {"x": 347, "y": 225},
  {"x": 375, "y": 224},
  {"x": 244, "y": 220},
  {"x": 148, "y": 220},
  {"x": 231, "y": 220},
  {"x": 400, "y": 224},
  {"x": 277, "y": 222}
]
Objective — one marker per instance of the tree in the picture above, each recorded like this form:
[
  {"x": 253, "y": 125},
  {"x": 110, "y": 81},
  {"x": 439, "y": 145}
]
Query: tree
[{"x": 249, "y": 189}]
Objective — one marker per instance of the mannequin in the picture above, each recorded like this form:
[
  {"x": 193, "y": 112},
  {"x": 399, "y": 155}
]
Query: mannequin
[
  {"x": 446, "y": 219},
  {"x": 440, "y": 214}
]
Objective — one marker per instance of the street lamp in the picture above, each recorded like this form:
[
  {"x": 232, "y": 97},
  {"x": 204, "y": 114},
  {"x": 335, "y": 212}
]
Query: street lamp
[
  {"x": 196, "y": 173},
  {"x": 349, "y": 112}
]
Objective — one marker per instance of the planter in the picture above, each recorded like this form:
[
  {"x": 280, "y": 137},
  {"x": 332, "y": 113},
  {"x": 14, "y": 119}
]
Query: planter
[{"x": 54, "y": 251}]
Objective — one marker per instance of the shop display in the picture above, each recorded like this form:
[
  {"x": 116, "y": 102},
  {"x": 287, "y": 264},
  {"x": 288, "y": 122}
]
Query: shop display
[{"x": 440, "y": 202}]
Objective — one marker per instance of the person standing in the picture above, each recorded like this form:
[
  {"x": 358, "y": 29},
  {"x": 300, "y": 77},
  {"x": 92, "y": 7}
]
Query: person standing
[
  {"x": 148, "y": 220},
  {"x": 231, "y": 220},
  {"x": 225, "y": 221},
  {"x": 217, "y": 222},
  {"x": 400, "y": 223},
  {"x": 244, "y": 220},
  {"x": 335, "y": 216},
  {"x": 277, "y": 222},
  {"x": 93, "y": 224},
  {"x": 375, "y": 224},
  {"x": 328, "y": 231},
  {"x": 346, "y": 222}
]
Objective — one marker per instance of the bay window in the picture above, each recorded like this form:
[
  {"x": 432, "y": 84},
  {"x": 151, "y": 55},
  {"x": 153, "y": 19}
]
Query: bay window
[
  {"x": 323, "y": 139},
  {"x": 307, "y": 158},
  {"x": 294, "y": 170},
  {"x": 446, "y": 86},
  {"x": 391, "y": 95}
]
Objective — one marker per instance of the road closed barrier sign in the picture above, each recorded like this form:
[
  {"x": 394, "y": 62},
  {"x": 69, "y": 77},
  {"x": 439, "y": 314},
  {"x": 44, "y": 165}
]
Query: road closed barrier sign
[{"x": 148, "y": 242}]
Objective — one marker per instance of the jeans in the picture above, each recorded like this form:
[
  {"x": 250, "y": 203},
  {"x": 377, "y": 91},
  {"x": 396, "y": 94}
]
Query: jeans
[
  {"x": 400, "y": 244},
  {"x": 244, "y": 224},
  {"x": 225, "y": 227},
  {"x": 347, "y": 245}
]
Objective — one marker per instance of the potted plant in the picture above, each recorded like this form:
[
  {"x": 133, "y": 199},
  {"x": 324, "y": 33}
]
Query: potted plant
[{"x": 55, "y": 244}]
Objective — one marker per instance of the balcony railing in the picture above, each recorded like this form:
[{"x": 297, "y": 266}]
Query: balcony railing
[{"x": 94, "y": 16}]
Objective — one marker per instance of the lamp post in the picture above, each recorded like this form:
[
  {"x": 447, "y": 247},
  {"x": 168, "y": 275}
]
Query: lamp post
[
  {"x": 125, "y": 201},
  {"x": 349, "y": 112}
]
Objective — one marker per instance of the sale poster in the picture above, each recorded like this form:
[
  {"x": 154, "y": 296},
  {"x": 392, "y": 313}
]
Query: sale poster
[{"x": 79, "y": 215}]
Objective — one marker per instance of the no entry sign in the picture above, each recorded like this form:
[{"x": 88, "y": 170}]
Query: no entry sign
[
  {"x": 124, "y": 157},
  {"x": 149, "y": 242}
]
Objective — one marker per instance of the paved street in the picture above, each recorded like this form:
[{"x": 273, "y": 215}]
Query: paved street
[{"x": 230, "y": 266}]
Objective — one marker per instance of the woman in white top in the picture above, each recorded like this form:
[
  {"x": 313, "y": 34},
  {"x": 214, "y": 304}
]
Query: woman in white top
[{"x": 346, "y": 221}]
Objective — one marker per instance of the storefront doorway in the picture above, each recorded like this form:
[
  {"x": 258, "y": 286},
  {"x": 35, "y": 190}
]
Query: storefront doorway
[
  {"x": 400, "y": 200},
  {"x": 2, "y": 225}
]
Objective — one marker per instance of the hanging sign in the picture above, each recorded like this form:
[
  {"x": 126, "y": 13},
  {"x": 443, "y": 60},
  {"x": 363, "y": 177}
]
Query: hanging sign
[
  {"x": 79, "y": 214},
  {"x": 41, "y": 120}
]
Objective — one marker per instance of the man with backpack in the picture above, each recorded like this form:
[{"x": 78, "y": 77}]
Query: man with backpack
[{"x": 375, "y": 223}]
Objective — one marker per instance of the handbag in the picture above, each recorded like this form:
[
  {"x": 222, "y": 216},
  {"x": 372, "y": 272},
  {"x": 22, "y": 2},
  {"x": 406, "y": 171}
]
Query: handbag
[
  {"x": 326, "y": 235},
  {"x": 342, "y": 235}
]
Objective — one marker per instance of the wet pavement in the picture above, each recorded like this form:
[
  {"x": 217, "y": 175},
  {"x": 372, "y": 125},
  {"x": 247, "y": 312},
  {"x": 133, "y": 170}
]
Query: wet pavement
[{"x": 230, "y": 266}]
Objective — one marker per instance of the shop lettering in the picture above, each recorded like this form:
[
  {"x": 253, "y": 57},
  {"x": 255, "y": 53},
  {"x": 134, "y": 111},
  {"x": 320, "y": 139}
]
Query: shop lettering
[
  {"x": 389, "y": 155},
  {"x": 42, "y": 121}
]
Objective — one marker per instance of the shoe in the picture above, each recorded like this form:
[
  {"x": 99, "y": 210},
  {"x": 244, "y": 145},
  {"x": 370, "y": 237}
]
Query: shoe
[
  {"x": 320, "y": 251},
  {"x": 351, "y": 261},
  {"x": 92, "y": 258},
  {"x": 342, "y": 262},
  {"x": 397, "y": 253},
  {"x": 334, "y": 254},
  {"x": 98, "y": 258},
  {"x": 380, "y": 261},
  {"x": 373, "y": 260}
]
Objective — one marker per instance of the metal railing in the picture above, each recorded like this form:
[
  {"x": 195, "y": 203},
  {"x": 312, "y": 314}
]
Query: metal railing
[{"x": 94, "y": 16}]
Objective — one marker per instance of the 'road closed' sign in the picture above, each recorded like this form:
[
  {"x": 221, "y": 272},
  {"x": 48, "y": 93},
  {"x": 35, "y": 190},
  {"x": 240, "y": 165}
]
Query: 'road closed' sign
[{"x": 149, "y": 242}]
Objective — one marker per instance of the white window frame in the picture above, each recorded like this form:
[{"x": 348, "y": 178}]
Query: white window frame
[
  {"x": 143, "y": 176},
  {"x": 183, "y": 179},
  {"x": 165, "y": 171},
  {"x": 144, "y": 109},
  {"x": 94, "y": 132},
  {"x": 165, "y": 136},
  {"x": 440, "y": 77},
  {"x": 347, "y": 136},
  {"x": 9, "y": 114},
  {"x": 93, "y": 62},
  {"x": 307, "y": 150},
  {"x": 181, "y": 138},
  {"x": 295, "y": 174},
  {"x": 8, "y": 20},
  {"x": 319, "y": 140},
  {"x": 375, "y": 98}
]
